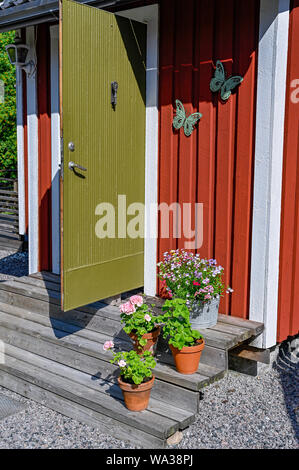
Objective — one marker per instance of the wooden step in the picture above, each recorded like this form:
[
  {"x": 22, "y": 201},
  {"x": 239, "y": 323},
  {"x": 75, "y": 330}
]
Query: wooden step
[
  {"x": 12, "y": 246},
  {"x": 82, "y": 414},
  {"x": 57, "y": 358},
  {"x": 41, "y": 293},
  {"x": 104, "y": 398},
  {"x": 94, "y": 366},
  {"x": 91, "y": 343}
]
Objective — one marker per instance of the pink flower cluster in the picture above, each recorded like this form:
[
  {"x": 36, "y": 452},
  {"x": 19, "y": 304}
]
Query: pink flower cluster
[
  {"x": 130, "y": 307},
  {"x": 108, "y": 345},
  {"x": 127, "y": 308},
  {"x": 208, "y": 291},
  {"x": 136, "y": 300}
]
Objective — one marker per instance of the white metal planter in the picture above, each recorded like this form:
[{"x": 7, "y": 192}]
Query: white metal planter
[{"x": 204, "y": 314}]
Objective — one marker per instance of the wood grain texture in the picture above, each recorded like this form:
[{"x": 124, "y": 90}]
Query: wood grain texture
[
  {"x": 44, "y": 148},
  {"x": 109, "y": 143},
  {"x": 288, "y": 300},
  {"x": 214, "y": 165}
]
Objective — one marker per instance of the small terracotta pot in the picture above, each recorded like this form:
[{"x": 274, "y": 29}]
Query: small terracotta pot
[
  {"x": 187, "y": 359},
  {"x": 151, "y": 337},
  {"x": 136, "y": 396}
]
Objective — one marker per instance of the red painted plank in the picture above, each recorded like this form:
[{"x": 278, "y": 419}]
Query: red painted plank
[
  {"x": 44, "y": 128},
  {"x": 226, "y": 114},
  {"x": 167, "y": 191},
  {"x": 245, "y": 65},
  {"x": 288, "y": 301},
  {"x": 207, "y": 127},
  {"x": 184, "y": 92}
]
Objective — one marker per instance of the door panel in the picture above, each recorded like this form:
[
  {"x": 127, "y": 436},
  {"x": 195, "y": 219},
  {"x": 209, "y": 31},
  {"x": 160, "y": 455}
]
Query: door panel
[{"x": 98, "y": 48}]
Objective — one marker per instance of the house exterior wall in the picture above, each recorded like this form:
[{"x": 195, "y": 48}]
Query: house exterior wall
[
  {"x": 44, "y": 149},
  {"x": 215, "y": 165},
  {"x": 37, "y": 153},
  {"x": 288, "y": 300}
]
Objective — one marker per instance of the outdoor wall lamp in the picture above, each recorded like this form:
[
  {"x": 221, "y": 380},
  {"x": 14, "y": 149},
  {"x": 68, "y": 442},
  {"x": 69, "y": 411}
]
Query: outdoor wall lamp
[{"x": 22, "y": 56}]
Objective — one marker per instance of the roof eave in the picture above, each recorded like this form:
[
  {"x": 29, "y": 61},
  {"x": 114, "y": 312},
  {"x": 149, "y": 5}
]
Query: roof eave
[{"x": 41, "y": 11}]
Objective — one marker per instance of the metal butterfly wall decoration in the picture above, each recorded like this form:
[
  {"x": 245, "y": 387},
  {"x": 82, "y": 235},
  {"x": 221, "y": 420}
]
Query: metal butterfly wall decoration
[
  {"x": 219, "y": 82},
  {"x": 180, "y": 119}
]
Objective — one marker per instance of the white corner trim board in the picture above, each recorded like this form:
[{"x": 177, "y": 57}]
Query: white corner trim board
[
  {"x": 271, "y": 89},
  {"x": 55, "y": 148},
  {"x": 32, "y": 131},
  {"x": 150, "y": 16},
  {"x": 20, "y": 151}
]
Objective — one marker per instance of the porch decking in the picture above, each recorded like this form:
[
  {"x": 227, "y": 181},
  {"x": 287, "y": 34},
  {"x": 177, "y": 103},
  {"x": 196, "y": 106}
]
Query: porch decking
[{"x": 57, "y": 358}]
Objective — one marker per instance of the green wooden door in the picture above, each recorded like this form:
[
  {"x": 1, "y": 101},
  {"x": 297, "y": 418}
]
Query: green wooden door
[{"x": 99, "y": 48}]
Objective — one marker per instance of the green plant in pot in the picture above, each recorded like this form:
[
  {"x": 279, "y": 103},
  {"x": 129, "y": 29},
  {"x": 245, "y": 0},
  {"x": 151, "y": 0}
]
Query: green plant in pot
[
  {"x": 136, "y": 376},
  {"x": 197, "y": 280},
  {"x": 185, "y": 343},
  {"x": 140, "y": 324}
]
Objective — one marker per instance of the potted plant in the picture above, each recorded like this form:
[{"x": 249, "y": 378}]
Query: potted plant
[
  {"x": 185, "y": 343},
  {"x": 196, "y": 280},
  {"x": 136, "y": 377},
  {"x": 140, "y": 324}
]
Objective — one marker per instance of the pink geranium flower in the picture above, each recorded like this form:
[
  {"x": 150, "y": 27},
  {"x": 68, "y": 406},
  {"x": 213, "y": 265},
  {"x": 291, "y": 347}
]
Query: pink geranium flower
[
  {"x": 127, "y": 308},
  {"x": 136, "y": 300},
  {"x": 108, "y": 345},
  {"x": 147, "y": 317}
]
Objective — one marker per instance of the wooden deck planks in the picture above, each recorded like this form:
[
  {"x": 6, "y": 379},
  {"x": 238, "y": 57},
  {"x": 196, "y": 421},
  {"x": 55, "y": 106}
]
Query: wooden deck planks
[
  {"x": 101, "y": 386},
  {"x": 83, "y": 414},
  {"x": 91, "y": 343},
  {"x": 58, "y": 357},
  {"x": 228, "y": 332}
]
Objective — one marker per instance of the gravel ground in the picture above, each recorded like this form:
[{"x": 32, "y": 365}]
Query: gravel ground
[
  {"x": 13, "y": 264},
  {"x": 237, "y": 412}
]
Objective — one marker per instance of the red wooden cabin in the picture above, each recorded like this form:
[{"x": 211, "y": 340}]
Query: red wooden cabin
[{"x": 240, "y": 161}]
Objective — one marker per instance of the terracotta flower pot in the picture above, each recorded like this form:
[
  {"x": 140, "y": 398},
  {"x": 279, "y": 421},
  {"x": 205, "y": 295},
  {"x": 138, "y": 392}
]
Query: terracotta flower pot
[
  {"x": 151, "y": 337},
  {"x": 187, "y": 359},
  {"x": 136, "y": 396}
]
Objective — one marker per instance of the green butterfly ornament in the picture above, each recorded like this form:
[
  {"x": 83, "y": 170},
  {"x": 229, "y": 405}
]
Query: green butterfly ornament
[
  {"x": 180, "y": 119},
  {"x": 219, "y": 82}
]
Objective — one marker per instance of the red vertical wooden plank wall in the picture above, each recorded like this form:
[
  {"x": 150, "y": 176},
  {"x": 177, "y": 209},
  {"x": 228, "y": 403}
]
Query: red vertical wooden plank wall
[
  {"x": 214, "y": 165},
  {"x": 44, "y": 130},
  {"x": 288, "y": 301}
]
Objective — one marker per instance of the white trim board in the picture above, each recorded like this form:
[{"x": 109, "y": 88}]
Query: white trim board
[
  {"x": 271, "y": 89},
  {"x": 32, "y": 131},
  {"x": 55, "y": 148},
  {"x": 20, "y": 151},
  {"x": 150, "y": 16}
]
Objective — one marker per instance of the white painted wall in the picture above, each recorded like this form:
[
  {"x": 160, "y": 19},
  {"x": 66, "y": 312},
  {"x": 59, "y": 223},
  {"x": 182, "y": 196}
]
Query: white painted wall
[
  {"x": 32, "y": 130},
  {"x": 55, "y": 148},
  {"x": 271, "y": 90},
  {"x": 20, "y": 151},
  {"x": 150, "y": 16}
]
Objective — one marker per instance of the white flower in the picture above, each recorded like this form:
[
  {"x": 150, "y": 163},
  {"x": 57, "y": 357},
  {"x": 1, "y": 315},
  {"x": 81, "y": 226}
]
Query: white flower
[
  {"x": 122, "y": 363},
  {"x": 147, "y": 317}
]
